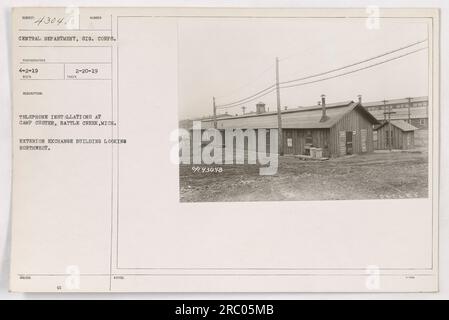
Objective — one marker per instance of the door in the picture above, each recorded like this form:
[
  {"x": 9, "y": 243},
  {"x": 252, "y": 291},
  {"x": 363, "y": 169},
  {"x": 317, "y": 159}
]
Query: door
[
  {"x": 289, "y": 142},
  {"x": 342, "y": 142},
  {"x": 349, "y": 149},
  {"x": 409, "y": 140},
  {"x": 375, "y": 145}
]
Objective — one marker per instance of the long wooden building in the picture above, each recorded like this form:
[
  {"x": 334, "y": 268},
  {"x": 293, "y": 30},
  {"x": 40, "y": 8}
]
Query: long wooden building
[{"x": 336, "y": 129}]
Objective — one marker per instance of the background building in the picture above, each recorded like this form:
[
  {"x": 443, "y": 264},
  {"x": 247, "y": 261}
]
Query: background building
[{"x": 412, "y": 110}]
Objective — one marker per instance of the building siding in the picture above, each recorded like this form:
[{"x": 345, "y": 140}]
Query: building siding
[
  {"x": 345, "y": 121},
  {"x": 401, "y": 139},
  {"x": 355, "y": 122},
  {"x": 330, "y": 140},
  {"x": 320, "y": 138}
]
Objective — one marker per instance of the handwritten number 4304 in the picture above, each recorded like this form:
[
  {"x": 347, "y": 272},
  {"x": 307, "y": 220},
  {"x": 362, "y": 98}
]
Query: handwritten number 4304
[{"x": 50, "y": 21}]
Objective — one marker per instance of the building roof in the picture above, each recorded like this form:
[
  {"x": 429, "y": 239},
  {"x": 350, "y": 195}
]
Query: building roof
[
  {"x": 188, "y": 123},
  {"x": 400, "y": 124},
  {"x": 298, "y": 118},
  {"x": 404, "y": 126}
]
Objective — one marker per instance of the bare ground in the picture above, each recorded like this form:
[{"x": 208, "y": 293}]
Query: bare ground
[{"x": 379, "y": 175}]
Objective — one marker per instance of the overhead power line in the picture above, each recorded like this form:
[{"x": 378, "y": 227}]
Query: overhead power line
[
  {"x": 242, "y": 100},
  {"x": 272, "y": 88},
  {"x": 322, "y": 79},
  {"x": 352, "y": 71},
  {"x": 353, "y": 64},
  {"x": 230, "y": 93}
]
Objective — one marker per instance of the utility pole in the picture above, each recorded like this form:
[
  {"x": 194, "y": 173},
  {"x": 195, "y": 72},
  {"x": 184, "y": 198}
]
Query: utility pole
[
  {"x": 215, "y": 113},
  {"x": 409, "y": 110},
  {"x": 390, "y": 133},
  {"x": 278, "y": 96}
]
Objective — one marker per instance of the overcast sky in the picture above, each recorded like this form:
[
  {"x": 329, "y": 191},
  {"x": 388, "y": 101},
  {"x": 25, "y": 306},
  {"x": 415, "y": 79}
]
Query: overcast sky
[{"x": 234, "y": 58}]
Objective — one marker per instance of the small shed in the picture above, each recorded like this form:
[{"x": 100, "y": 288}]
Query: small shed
[{"x": 402, "y": 135}]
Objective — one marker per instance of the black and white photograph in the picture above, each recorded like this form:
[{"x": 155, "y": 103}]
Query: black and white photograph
[
  {"x": 226, "y": 151},
  {"x": 303, "y": 109}
]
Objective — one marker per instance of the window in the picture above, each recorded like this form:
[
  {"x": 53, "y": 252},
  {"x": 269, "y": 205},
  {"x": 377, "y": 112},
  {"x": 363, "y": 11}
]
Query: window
[{"x": 309, "y": 139}]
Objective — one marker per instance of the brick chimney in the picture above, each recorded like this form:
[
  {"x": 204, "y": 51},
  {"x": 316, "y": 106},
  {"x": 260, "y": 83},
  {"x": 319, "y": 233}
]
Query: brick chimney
[
  {"x": 359, "y": 97},
  {"x": 260, "y": 108},
  {"x": 324, "y": 117}
]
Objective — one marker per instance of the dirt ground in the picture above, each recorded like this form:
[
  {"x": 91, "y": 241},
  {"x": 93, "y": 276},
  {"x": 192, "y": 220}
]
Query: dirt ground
[{"x": 378, "y": 175}]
